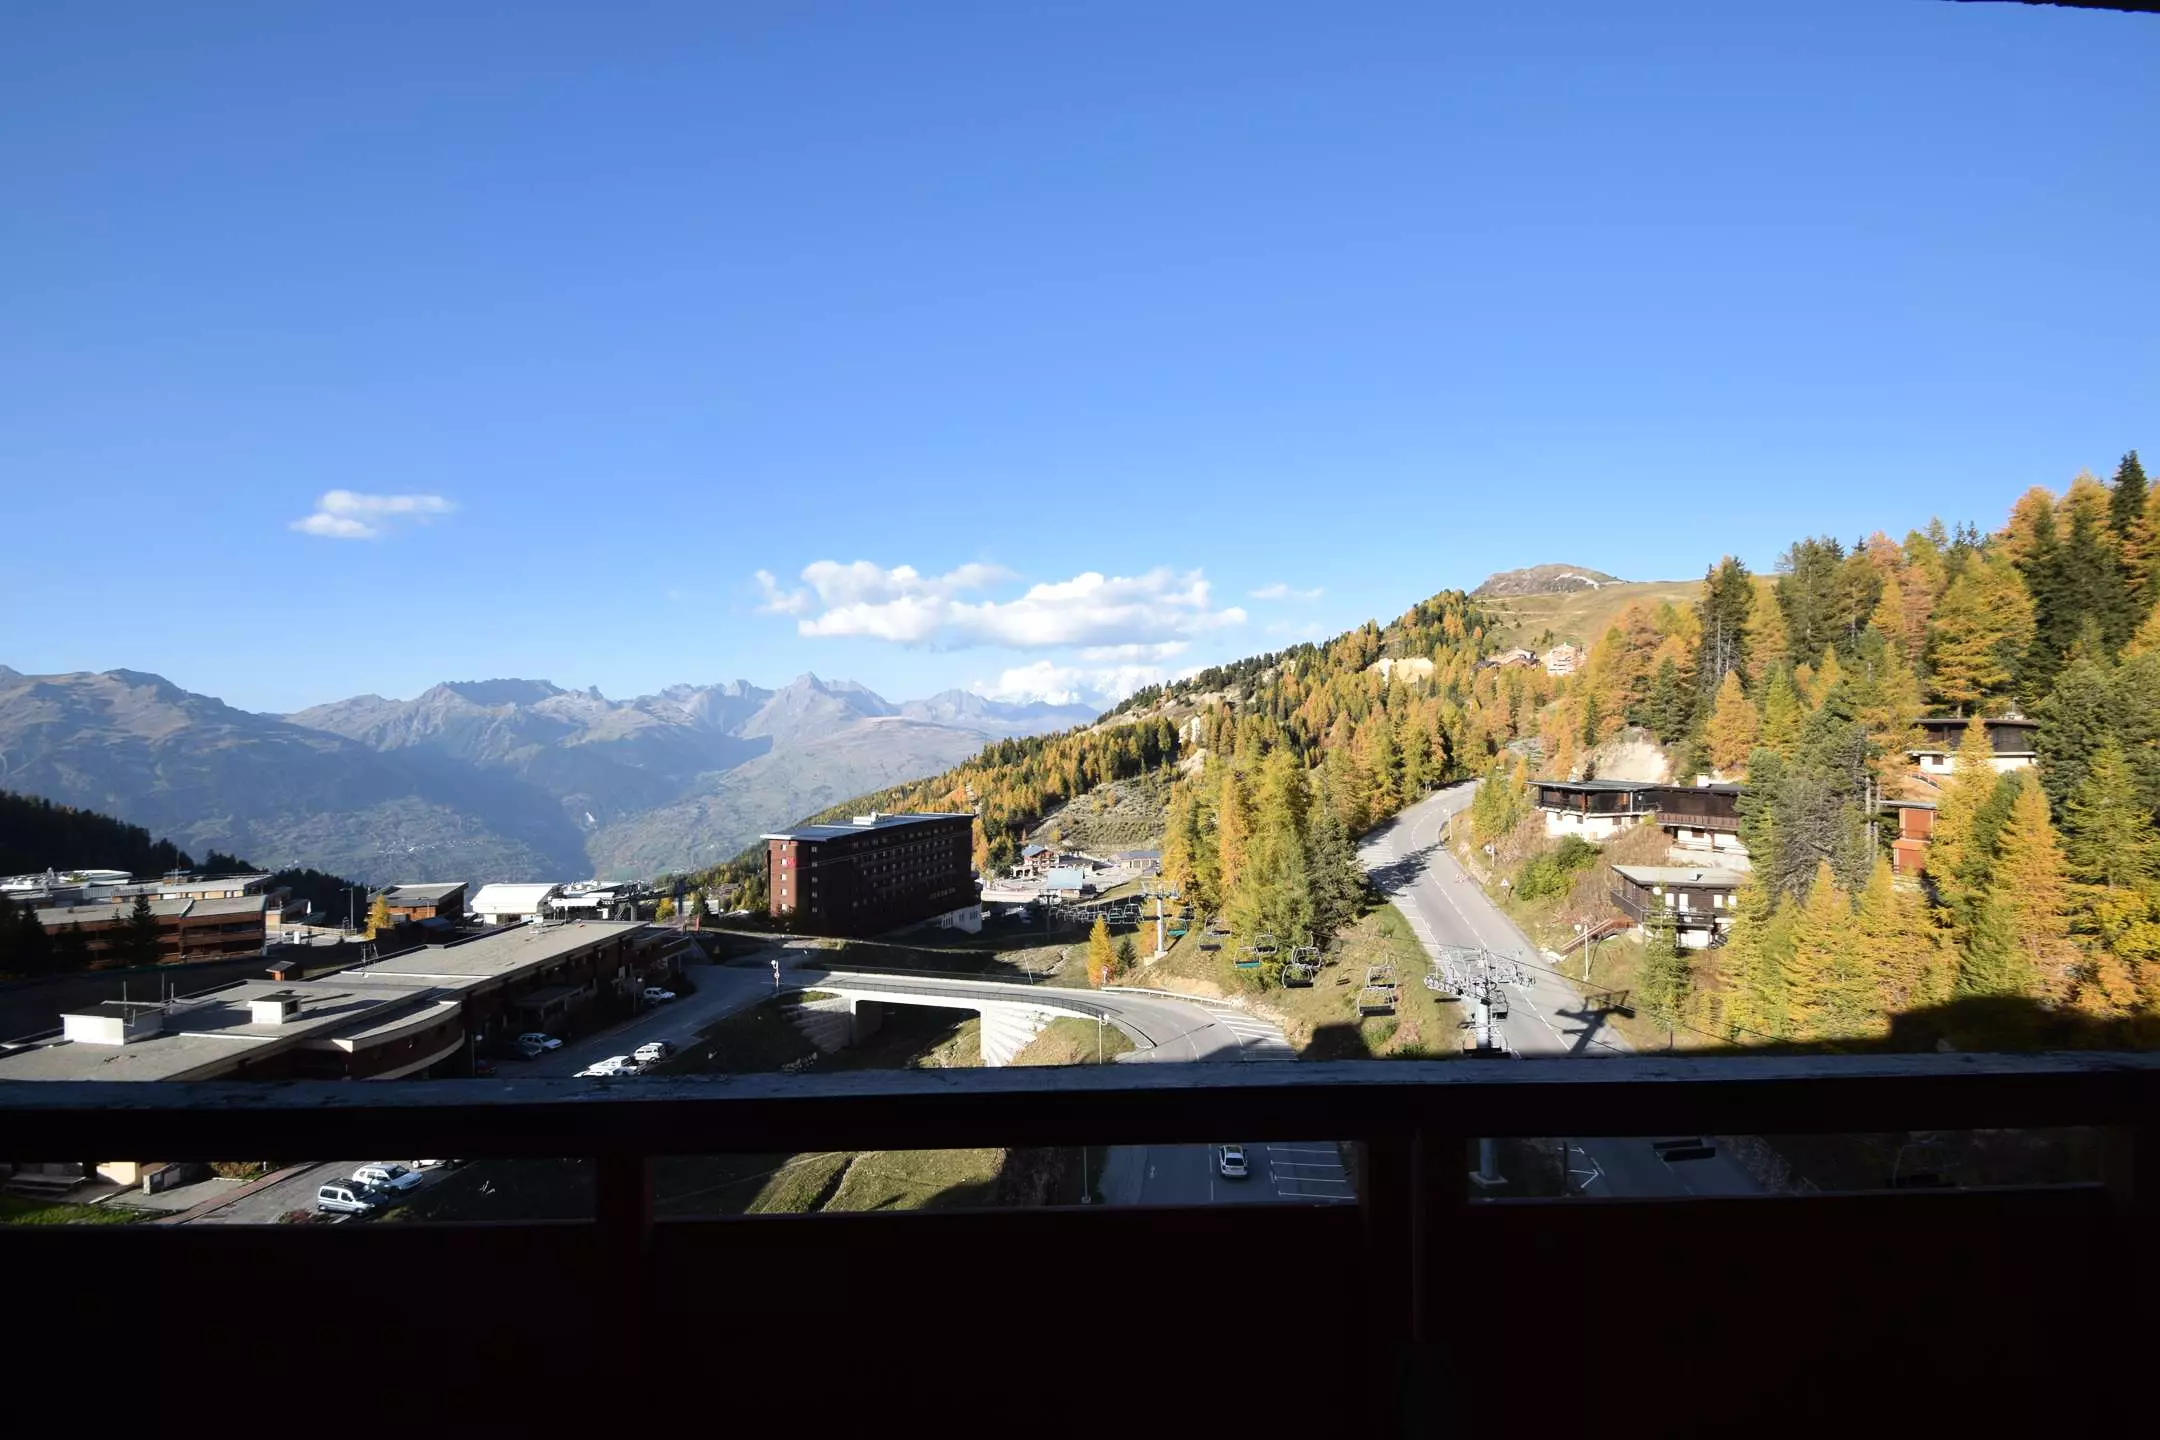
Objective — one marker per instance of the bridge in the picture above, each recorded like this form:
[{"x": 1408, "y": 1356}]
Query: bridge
[{"x": 1163, "y": 1027}]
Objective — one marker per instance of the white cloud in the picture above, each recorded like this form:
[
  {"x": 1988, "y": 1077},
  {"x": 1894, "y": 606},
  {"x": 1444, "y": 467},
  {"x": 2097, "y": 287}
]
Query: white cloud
[
  {"x": 1056, "y": 684},
  {"x": 1163, "y": 650},
  {"x": 902, "y": 605},
  {"x": 778, "y": 601},
  {"x": 350, "y": 515},
  {"x": 1281, "y": 591}
]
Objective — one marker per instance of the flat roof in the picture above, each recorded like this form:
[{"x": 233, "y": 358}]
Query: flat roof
[
  {"x": 878, "y": 822},
  {"x": 1681, "y": 875},
  {"x": 511, "y": 897},
  {"x": 230, "y": 905},
  {"x": 497, "y": 955},
  {"x": 205, "y": 1035},
  {"x": 1604, "y": 786},
  {"x": 404, "y": 894}
]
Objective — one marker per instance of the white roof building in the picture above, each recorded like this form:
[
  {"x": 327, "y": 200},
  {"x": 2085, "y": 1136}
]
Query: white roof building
[{"x": 508, "y": 904}]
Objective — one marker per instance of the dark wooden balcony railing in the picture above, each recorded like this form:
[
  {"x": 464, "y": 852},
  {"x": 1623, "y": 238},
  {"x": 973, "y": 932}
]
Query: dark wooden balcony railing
[{"x": 1737, "y": 1308}]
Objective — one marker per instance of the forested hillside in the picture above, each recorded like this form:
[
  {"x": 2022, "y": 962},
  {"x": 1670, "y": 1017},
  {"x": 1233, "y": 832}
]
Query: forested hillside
[
  {"x": 37, "y": 835},
  {"x": 2040, "y": 885},
  {"x": 1363, "y": 741}
]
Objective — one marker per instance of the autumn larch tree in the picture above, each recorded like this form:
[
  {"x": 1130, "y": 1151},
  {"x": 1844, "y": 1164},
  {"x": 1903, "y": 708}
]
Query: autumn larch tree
[
  {"x": 1732, "y": 731},
  {"x": 1101, "y": 954},
  {"x": 2032, "y": 888},
  {"x": 1980, "y": 635},
  {"x": 378, "y": 916}
]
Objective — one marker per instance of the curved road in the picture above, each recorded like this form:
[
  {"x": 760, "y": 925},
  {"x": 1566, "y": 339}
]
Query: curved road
[{"x": 1444, "y": 906}]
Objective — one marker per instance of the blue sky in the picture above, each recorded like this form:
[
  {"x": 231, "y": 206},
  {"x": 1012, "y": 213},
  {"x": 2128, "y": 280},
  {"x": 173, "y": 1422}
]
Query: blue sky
[{"x": 1046, "y": 347}]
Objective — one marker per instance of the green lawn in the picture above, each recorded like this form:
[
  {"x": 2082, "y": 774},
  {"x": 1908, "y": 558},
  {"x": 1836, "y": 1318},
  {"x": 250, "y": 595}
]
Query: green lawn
[
  {"x": 1321, "y": 1020},
  {"x": 1071, "y": 1040},
  {"x": 15, "y": 1210}
]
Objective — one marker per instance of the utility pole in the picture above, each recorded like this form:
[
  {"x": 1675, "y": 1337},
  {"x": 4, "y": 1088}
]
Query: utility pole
[{"x": 1490, "y": 1045}]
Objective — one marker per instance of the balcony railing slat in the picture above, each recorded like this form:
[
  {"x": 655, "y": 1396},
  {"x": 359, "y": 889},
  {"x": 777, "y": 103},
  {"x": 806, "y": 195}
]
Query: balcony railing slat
[{"x": 1113, "y": 1104}]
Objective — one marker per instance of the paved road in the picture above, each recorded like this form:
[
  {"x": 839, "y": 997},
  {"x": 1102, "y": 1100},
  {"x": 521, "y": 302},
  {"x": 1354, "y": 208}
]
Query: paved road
[
  {"x": 1279, "y": 1172},
  {"x": 1546, "y": 1017},
  {"x": 721, "y": 990}
]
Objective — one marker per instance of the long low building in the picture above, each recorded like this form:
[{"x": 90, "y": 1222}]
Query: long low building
[
  {"x": 189, "y": 928},
  {"x": 401, "y": 1015},
  {"x": 316, "y": 1029}
]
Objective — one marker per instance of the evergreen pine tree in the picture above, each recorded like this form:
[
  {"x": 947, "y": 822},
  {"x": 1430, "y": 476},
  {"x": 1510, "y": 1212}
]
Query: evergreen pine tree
[
  {"x": 1338, "y": 885},
  {"x": 71, "y": 950},
  {"x": 137, "y": 940},
  {"x": 2108, "y": 836},
  {"x": 1661, "y": 989},
  {"x": 2128, "y": 501},
  {"x": 1728, "y": 600},
  {"x": 1671, "y": 710},
  {"x": 2076, "y": 718}
]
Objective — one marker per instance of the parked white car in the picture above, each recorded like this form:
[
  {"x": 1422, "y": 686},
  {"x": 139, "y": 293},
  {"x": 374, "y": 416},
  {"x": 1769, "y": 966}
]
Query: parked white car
[
  {"x": 654, "y": 995},
  {"x": 532, "y": 1042},
  {"x": 652, "y": 1052},
  {"x": 387, "y": 1176},
  {"x": 611, "y": 1068}
]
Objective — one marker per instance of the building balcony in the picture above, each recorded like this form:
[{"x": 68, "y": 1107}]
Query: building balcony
[{"x": 1414, "y": 1311}]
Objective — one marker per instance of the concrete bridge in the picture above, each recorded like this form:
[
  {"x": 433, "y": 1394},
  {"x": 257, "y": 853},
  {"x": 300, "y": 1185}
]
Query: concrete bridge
[{"x": 1162, "y": 1027}]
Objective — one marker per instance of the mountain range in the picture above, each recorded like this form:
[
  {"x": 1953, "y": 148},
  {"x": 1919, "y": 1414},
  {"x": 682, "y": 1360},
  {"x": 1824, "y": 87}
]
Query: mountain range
[{"x": 482, "y": 780}]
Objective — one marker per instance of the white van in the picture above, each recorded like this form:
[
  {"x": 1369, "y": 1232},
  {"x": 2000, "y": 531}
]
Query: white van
[{"x": 347, "y": 1197}]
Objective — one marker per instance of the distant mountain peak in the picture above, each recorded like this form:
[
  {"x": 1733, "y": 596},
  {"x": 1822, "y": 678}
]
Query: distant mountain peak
[
  {"x": 1550, "y": 579},
  {"x": 501, "y": 692}
]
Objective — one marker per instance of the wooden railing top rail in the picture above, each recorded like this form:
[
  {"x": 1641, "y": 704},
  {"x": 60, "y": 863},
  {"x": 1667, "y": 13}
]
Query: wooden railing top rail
[{"x": 1764, "y": 1094}]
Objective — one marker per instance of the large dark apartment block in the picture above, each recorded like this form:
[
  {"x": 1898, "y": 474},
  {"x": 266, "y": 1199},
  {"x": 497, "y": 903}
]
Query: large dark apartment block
[{"x": 872, "y": 874}]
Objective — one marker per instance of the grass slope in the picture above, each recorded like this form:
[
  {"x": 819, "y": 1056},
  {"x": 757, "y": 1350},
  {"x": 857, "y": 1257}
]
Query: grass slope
[{"x": 1583, "y": 616}]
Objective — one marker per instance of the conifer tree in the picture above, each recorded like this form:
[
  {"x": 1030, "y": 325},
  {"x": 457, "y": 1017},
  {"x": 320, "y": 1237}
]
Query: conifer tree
[
  {"x": 2147, "y": 639},
  {"x": 1899, "y": 948},
  {"x": 1233, "y": 835},
  {"x": 2108, "y": 837},
  {"x": 1731, "y": 734},
  {"x": 2075, "y": 721},
  {"x": 1961, "y": 851},
  {"x": 1783, "y": 714},
  {"x": 1764, "y": 950},
  {"x": 1338, "y": 886},
  {"x": 1101, "y": 955},
  {"x": 137, "y": 941},
  {"x": 1831, "y": 994},
  {"x": 1671, "y": 709},
  {"x": 2033, "y": 513},
  {"x": 2032, "y": 886},
  {"x": 1980, "y": 635},
  {"x": 1723, "y": 612},
  {"x": 2128, "y": 501}
]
